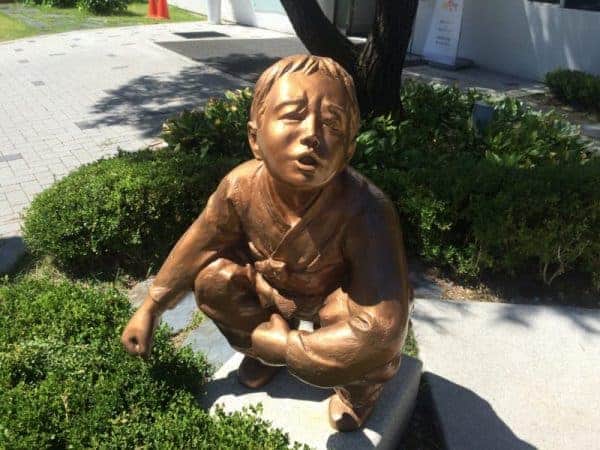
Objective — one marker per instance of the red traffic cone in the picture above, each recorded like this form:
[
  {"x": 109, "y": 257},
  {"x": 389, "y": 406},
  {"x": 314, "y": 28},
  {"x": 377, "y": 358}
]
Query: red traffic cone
[
  {"x": 152, "y": 9},
  {"x": 162, "y": 10}
]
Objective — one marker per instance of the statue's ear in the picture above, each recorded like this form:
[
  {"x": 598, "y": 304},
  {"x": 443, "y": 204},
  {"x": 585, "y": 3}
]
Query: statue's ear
[
  {"x": 253, "y": 140},
  {"x": 351, "y": 150}
]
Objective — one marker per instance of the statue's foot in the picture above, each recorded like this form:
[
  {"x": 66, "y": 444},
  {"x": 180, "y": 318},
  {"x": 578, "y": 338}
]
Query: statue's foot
[
  {"x": 254, "y": 374},
  {"x": 345, "y": 417}
]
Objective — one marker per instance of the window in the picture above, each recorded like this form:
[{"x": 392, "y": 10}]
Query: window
[{"x": 591, "y": 5}]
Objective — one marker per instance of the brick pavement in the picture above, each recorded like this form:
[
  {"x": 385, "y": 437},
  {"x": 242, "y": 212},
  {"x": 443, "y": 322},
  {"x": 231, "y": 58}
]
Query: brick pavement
[{"x": 72, "y": 98}]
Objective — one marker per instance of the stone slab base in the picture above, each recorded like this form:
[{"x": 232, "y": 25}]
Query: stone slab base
[
  {"x": 301, "y": 410},
  {"x": 297, "y": 408}
]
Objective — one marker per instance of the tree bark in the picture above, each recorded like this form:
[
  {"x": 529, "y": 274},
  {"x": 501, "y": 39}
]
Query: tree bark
[
  {"x": 377, "y": 69},
  {"x": 318, "y": 34}
]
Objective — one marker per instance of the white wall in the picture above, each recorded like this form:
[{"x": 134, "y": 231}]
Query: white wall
[
  {"x": 242, "y": 12},
  {"x": 520, "y": 37}
]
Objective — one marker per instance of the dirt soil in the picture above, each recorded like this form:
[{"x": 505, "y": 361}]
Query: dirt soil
[
  {"x": 573, "y": 289},
  {"x": 546, "y": 102}
]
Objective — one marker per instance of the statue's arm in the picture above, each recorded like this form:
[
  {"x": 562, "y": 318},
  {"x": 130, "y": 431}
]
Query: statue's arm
[
  {"x": 378, "y": 300},
  {"x": 216, "y": 229}
]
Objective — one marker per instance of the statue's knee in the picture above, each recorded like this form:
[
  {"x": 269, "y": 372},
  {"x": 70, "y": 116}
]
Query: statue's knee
[{"x": 221, "y": 278}]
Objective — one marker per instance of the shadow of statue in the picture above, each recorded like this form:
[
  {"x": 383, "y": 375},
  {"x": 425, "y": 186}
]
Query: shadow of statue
[
  {"x": 468, "y": 421},
  {"x": 283, "y": 385}
]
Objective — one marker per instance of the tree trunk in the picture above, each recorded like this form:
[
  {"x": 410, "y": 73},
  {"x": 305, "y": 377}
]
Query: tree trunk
[{"x": 377, "y": 69}]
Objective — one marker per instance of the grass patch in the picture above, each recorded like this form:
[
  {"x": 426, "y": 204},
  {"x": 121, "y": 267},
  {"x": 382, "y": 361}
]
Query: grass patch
[
  {"x": 11, "y": 28},
  {"x": 18, "y": 20}
]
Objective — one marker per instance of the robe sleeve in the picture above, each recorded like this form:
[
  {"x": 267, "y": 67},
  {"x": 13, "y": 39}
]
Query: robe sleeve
[
  {"x": 215, "y": 230},
  {"x": 378, "y": 296}
]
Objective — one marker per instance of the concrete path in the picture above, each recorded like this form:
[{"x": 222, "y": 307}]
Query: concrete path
[
  {"x": 512, "y": 376},
  {"x": 72, "y": 98}
]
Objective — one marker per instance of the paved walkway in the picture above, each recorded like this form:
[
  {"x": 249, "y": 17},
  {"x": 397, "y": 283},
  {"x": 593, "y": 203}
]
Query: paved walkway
[
  {"x": 512, "y": 377},
  {"x": 72, "y": 98}
]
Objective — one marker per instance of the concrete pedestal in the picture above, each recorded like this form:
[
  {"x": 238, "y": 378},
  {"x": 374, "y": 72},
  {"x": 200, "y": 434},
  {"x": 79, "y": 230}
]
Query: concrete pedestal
[
  {"x": 296, "y": 407},
  {"x": 301, "y": 410}
]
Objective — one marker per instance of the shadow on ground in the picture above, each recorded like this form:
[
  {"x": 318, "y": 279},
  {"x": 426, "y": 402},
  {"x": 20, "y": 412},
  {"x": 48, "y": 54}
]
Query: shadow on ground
[
  {"x": 472, "y": 423},
  {"x": 147, "y": 101}
]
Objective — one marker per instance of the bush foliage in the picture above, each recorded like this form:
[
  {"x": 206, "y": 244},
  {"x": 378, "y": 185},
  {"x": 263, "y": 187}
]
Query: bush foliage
[
  {"x": 100, "y": 7},
  {"x": 220, "y": 127},
  {"x": 103, "y": 6},
  {"x": 522, "y": 194},
  {"x": 576, "y": 88},
  {"x": 65, "y": 381},
  {"x": 125, "y": 211}
]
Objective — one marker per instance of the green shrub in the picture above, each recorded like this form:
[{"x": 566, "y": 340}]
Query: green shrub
[
  {"x": 53, "y": 3},
  {"x": 103, "y": 6},
  {"x": 519, "y": 196},
  {"x": 65, "y": 381},
  {"x": 577, "y": 88},
  {"x": 128, "y": 210},
  {"x": 220, "y": 127}
]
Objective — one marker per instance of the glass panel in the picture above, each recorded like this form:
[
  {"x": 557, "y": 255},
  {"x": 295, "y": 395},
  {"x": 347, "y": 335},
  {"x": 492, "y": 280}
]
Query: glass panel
[
  {"x": 592, "y": 5},
  {"x": 268, "y": 6}
]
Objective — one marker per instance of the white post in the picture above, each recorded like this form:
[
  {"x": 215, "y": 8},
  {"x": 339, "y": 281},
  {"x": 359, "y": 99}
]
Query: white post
[{"x": 214, "y": 11}]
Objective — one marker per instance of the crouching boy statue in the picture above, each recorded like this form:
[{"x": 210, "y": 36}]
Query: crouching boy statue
[{"x": 295, "y": 234}]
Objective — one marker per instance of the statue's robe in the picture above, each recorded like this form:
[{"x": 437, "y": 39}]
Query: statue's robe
[{"x": 342, "y": 265}]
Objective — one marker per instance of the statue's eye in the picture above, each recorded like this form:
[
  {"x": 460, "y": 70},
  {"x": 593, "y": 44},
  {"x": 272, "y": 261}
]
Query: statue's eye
[
  {"x": 292, "y": 116},
  {"x": 332, "y": 124}
]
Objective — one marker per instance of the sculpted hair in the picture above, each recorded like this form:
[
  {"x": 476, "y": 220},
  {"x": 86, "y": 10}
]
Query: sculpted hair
[{"x": 307, "y": 64}]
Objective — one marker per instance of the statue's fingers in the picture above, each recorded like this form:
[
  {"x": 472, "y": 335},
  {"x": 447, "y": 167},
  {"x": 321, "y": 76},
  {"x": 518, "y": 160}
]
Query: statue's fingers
[{"x": 264, "y": 291}]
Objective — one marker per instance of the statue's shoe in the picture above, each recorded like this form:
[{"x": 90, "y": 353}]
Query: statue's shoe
[
  {"x": 254, "y": 374},
  {"x": 344, "y": 417}
]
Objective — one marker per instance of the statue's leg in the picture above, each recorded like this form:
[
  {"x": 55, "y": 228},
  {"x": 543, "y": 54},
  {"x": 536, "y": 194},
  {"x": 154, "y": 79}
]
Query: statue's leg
[
  {"x": 353, "y": 403},
  {"x": 225, "y": 293}
]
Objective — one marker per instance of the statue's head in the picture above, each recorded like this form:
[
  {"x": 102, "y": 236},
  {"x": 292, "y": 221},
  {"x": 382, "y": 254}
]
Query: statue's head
[{"x": 304, "y": 120}]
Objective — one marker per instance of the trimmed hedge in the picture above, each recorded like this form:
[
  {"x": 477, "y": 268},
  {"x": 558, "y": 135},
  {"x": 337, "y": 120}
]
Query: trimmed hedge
[
  {"x": 576, "y": 88},
  {"x": 66, "y": 382},
  {"x": 521, "y": 195},
  {"x": 124, "y": 211}
]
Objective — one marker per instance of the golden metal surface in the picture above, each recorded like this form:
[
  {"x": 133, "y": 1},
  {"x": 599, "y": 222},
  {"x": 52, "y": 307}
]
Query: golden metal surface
[{"x": 295, "y": 234}]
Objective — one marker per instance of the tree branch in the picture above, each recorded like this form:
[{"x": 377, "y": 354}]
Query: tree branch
[{"x": 318, "y": 34}]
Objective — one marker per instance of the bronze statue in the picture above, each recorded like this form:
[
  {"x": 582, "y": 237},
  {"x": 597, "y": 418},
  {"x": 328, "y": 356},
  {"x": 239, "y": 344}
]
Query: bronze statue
[{"x": 295, "y": 234}]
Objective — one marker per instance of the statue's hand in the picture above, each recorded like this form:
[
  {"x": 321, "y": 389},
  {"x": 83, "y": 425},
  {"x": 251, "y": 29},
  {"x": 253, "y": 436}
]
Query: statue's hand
[
  {"x": 269, "y": 340},
  {"x": 137, "y": 336},
  {"x": 266, "y": 293}
]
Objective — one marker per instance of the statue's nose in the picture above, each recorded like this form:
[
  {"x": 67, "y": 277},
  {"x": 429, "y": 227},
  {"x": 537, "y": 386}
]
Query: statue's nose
[{"x": 311, "y": 141}]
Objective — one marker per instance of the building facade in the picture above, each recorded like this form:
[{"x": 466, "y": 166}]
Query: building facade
[{"x": 524, "y": 38}]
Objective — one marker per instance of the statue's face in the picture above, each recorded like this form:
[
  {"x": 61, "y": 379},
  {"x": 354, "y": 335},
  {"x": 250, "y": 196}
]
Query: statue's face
[{"x": 303, "y": 134}]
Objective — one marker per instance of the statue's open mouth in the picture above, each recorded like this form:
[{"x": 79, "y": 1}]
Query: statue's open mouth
[{"x": 308, "y": 161}]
